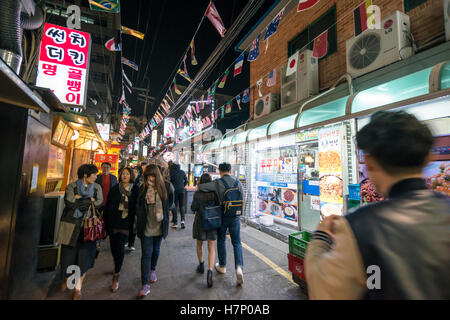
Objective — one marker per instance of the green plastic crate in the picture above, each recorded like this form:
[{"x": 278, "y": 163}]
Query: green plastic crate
[{"x": 298, "y": 242}]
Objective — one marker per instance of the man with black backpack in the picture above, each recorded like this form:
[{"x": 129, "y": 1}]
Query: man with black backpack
[{"x": 230, "y": 194}]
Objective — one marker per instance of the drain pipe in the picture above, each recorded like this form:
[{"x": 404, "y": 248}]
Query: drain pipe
[{"x": 346, "y": 76}]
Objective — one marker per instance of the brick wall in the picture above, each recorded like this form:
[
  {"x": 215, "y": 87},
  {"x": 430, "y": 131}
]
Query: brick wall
[{"x": 427, "y": 22}]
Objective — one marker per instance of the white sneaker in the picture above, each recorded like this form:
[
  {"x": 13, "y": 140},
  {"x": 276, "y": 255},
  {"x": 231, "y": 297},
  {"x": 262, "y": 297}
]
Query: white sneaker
[
  {"x": 220, "y": 269},
  {"x": 129, "y": 249},
  {"x": 239, "y": 276}
]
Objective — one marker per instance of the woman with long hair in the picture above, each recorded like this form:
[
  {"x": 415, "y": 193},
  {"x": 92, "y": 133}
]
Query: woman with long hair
[
  {"x": 199, "y": 202},
  {"x": 152, "y": 223},
  {"x": 119, "y": 214},
  {"x": 80, "y": 197}
]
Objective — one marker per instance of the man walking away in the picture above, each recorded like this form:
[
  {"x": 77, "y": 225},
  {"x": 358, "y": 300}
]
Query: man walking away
[
  {"x": 106, "y": 180},
  {"x": 179, "y": 180},
  {"x": 395, "y": 249},
  {"x": 231, "y": 222}
]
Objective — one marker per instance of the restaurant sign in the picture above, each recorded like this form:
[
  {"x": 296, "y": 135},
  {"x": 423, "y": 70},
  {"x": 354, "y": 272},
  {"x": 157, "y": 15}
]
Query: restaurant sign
[{"x": 64, "y": 63}]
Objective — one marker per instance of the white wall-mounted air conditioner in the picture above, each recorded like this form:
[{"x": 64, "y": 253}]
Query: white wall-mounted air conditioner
[
  {"x": 447, "y": 19},
  {"x": 304, "y": 83},
  {"x": 266, "y": 105},
  {"x": 376, "y": 48}
]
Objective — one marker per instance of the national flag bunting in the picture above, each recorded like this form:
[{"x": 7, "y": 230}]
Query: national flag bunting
[
  {"x": 361, "y": 17},
  {"x": 217, "y": 114},
  {"x": 112, "y": 45},
  {"x": 238, "y": 65},
  {"x": 228, "y": 107},
  {"x": 132, "y": 32},
  {"x": 224, "y": 79},
  {"x": 292, "y": 64},
  {"x": 128, "y": 80},
  {"x": 254, "y": 50},
  {"x": 111, "y": 6},
  {"x": 203, "y": 101},
  {"x": 197, "y": 105},
  {"x": 222, "y": 112},
  {"x": 258, "y": 84},
  {"x": 273, "y": 26},
  {"x": 184, "y": 75},
  {"x": 129, "y": 63},
  {"x": 193, "y": 59},
  {"x": 238, "y": 100},
  {"x": 272, "y": 79},
  {"x": 178, "y": 92},
  {"x": 321, "y": 45},
  {"x": 306, "y": 4},
  {"x": 214, "y": 17},
  {"x": 246, "y": 96}
]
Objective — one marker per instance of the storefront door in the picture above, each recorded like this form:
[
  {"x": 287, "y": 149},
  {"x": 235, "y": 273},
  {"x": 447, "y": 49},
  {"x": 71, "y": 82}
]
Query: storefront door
[{"x": 308, "y": 186}]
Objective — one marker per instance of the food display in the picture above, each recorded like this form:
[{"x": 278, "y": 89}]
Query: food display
[
  {"x": 275, "y": 208},
  {"x": 329, "y": 161},
  {"x": 437, "y": 177},
  {"x": 263, "y": 205},
  {"x": 290, "y": 212},
  {"x": 329, "y": 210},
  {"x": 368, "y": 192},
  {"x": 289, "y": 196},
  {"x": 330, "y": 188}
]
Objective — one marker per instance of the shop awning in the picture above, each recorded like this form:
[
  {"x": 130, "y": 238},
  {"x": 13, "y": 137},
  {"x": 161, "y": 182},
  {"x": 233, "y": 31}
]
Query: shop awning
[
  {"x": 240, "y": 137},
  {"x": 282, "y": 125},
  {"x": 259, "y": 132},
  {"x": 327, "y": 111},
  {"x": 212, "y": 146},
  {"x": 16, "y": 92},
  {"x": 445, "y": 77}
]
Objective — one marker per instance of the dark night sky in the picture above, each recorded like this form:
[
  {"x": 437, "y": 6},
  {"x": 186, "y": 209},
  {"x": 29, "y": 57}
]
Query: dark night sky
[{"x": 171, "y": 25}]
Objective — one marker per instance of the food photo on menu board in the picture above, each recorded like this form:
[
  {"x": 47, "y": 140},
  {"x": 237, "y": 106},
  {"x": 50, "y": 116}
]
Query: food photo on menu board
[
  {"x": 437, "y": 176},
  {"x": 275, "y": 208},
  {"x": 368, "y": 192}
]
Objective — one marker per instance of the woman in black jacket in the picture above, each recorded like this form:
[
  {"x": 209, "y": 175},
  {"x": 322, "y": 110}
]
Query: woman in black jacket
[
  {"x": 200, "y": 201},
  {"x": 152, "y": 224},
  {"x": 119, "y": 215}
]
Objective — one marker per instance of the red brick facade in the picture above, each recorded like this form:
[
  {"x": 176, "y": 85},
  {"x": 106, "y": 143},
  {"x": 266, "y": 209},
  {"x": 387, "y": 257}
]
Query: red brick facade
[{"x": 427, "y": 22}]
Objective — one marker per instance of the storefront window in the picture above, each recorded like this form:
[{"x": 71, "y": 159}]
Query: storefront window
[
  {"x": 327, "y": 111},
  {"x": 407, "y": 87},
  {"x": 257, "y": 133},
  {"x": 282, "y": 125},
  {"x": 445, "y": 76}
]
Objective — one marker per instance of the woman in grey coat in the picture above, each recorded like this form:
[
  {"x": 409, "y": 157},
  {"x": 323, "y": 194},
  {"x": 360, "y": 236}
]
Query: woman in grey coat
[{"x": 79, "y": 197}]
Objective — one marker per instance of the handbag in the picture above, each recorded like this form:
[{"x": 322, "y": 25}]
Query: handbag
[
  {"x": 94, "y": 226},
  {"x": 212, "y": 218}
]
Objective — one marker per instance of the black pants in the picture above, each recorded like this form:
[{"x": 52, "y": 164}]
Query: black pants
[
  {"x": 117, "y": 243},
  {"x": 179, "y": 203},
  {"x": 131, "y": 239}
]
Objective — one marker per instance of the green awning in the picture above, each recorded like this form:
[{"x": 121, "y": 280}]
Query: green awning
[
  {"x": 240, "y": 137},
  {"x": 282, "y": 125},
  {"x": 410, "y": 86},
  {"x": 212, "y": 146},
  {"x": 327, "y": 111},
  {"x": 259, "y": 132},
  {"x": 445, "y": 76},
  {"x": 226, "y": 142}
]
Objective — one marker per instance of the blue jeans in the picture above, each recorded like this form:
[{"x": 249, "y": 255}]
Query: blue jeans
[
  {"x": 234, "y": 224},
  {"x": 150, "y": 253}
]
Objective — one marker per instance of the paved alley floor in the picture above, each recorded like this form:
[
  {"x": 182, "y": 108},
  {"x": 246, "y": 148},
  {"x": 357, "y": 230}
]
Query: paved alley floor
[{"x": 266, "y": 274}]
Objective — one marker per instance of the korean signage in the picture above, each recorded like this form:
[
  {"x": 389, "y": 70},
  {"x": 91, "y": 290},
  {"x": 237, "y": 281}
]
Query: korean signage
[
  {"x": 103, "y": 129},
  {"x": 136, "y": 144},
  {"x": 154, "y": 138},
  {"x": 330, "y": 171},
  {"x": 63, "y": 63},
  {"x": 144, "y": 151},
  {"x": 111, "y": 158},
  {"x": 169, "y": 128},
  {"x": 307, "y": 135}
]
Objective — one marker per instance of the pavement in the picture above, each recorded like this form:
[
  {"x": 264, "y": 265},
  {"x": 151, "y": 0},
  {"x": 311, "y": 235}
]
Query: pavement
[{"x": 266, "y": 274}]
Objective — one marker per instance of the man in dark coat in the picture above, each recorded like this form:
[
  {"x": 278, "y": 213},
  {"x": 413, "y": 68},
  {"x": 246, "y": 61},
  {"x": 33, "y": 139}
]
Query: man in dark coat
[
  {"x": 179, "y": 180},
  {"x": 106, "y": 180}
]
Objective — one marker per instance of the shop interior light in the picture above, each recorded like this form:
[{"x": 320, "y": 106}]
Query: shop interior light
[
  {"x": 77, "y": 125},
  {"x": 309, "y": 159},
  {"x": 80, "y": 120},
  {"x": 75, "y": 136}
]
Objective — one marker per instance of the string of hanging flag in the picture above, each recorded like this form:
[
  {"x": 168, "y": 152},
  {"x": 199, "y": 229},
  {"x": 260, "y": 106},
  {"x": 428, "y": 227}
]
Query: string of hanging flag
[{"x": 320, "y": 50}]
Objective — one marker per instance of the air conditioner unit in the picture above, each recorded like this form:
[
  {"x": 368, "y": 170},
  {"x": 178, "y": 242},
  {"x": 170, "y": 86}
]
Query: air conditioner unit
[
  {"x": 376, "y": 48},
  {"x": 265, "y": 105},
  {"x": 447, "y": 19},
  {"x": 302, "y": 84}
]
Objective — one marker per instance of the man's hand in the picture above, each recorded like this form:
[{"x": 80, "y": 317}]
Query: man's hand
[
  {"x": 327, "y": 225},
  {"x": 77, "y": 196},
  {"x": 93, "y": 199}
]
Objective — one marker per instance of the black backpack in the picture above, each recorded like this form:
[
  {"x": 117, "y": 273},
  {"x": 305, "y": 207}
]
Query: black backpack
[{"x": 233, "y": 202}]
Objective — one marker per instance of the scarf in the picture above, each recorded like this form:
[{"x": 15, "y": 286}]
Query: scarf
[
  {"x": 125, "y": 194},
  {"x": 152, "y": 198},
  {"x": 85, "y": 192}
]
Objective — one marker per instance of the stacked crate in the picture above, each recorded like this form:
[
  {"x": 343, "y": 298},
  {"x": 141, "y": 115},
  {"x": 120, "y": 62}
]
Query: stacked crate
[{"x": 297, "y": 249}]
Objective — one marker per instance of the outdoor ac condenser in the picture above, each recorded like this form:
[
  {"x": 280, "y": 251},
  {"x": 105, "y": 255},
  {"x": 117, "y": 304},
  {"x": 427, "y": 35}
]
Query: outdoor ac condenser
[
  {"x": 374, "y": 49},
  {"x": 447, "y": 19},
  {"x": 265, "y": 105},
  {"x": 304, "y": 83}
]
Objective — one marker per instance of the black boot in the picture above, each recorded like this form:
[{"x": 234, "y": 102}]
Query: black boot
[
  {"x": 209, "y": 278},
  {"x": 201, "y": 268}
]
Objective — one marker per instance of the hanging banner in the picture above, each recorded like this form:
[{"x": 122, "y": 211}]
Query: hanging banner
[
  {"x": 330, "y": 171},
  {"x": 64, "y": 63},
  {"x": 154, "y": 138},
  {"x": 111, "y": 6},
  {"x": 104, "y": 129},
  {"x": 169, "y": 127}
]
